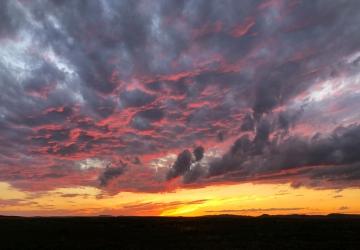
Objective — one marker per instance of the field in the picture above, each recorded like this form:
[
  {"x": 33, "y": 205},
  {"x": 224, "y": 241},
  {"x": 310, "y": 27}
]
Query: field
[{"x": 209, "y": 232}]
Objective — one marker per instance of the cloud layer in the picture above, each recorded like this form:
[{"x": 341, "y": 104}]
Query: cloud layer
[{"x": 104, "y": 93}]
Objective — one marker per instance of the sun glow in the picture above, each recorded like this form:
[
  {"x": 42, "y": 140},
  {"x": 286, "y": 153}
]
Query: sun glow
[{"x": 242, "y": 199}]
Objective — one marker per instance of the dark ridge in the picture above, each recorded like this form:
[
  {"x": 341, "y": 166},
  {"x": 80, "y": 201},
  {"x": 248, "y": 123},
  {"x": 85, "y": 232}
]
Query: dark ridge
[{"x": 334, "y": 231}]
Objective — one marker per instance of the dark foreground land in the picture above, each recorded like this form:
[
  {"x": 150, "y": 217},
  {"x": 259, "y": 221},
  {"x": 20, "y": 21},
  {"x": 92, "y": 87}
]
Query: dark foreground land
[{"x": 211, "y": 232}]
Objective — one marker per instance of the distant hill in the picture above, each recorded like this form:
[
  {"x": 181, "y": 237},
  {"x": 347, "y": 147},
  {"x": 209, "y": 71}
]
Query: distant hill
[{"x": 334, "y": 231}]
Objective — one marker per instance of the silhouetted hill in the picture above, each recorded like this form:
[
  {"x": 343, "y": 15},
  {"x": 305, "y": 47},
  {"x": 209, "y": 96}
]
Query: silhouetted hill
[{"x": 335, "y": 231}]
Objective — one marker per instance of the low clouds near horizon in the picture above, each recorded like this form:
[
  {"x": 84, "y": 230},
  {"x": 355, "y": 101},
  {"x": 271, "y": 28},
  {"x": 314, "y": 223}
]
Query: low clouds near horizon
[{"x": 149, "y": 96}]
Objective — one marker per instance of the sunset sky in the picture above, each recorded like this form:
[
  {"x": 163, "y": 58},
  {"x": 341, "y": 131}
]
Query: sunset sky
[{"x": 179, "y": 108}]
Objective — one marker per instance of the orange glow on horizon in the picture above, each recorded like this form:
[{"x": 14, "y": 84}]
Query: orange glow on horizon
[{"x": 240, "y": 199}]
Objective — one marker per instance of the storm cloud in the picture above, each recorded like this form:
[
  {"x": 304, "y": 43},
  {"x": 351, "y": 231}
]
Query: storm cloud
[
  {"x": 269, "y": 88},
  {"x": 331, "y": 160}
]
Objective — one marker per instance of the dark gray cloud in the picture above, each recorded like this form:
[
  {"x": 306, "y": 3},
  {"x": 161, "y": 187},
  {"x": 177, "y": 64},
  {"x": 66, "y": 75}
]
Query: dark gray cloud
[
  {"x": 136, "y": 98},
  {"x": 9, "y": 22},
  {"x": 114, "y": 79},
  {"x": 110, "y": 173},
  {"x": 181, "y": 165},
  {"x": 287, "y": 119},
  {"x": 57, "y": 115},
  {"x": 151, "y": 114},
  {"x": 248, "y": 123},
  {"x": 198, "y": 153},
  {"x": 188, "y": 165},
  {"x": 332, "y": 158},
  {"x": 193, "y": 174}
]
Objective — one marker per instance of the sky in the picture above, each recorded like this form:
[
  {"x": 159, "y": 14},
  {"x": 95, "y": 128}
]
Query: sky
[{"x": 179, "y": 108}]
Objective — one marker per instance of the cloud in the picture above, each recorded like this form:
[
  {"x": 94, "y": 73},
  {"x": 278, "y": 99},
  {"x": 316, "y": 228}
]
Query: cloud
[
  {"x": 194, "y": 173},
  {"x": 74, "y": 195},
  {"x": 198, "y": 153},
  {"x": 188, "y": 165},
  {"x": 16, "y": 202},
  {"x": 248, "y": 123},
  {"x": 337, "y": 196},
  {"x": 77, "y": 82},
  {"x": 256, "y": 210},
  {"x": 136, "y": 98},
  {"x": 111, "y": 173},
  {"x": 321, "y": 159},
  {"x": 160, "y": 205},
  {"x": 181, "y": 165}
]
